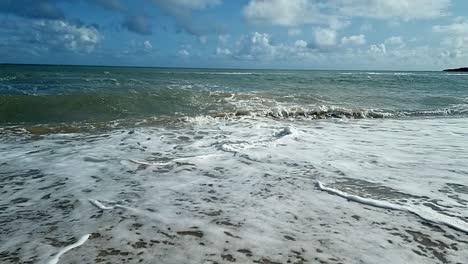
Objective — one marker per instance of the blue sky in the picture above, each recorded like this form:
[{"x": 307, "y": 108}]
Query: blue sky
[{"x": 291, "y": 34}]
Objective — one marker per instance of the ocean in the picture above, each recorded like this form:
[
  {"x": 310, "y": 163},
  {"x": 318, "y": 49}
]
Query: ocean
[{"x": 162, "y": 165}]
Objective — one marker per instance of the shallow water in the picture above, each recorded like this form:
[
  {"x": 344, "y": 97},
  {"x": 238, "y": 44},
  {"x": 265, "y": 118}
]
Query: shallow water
[
  {"x": 219, "y": 191},
  {"x": 246, "y": 189}
]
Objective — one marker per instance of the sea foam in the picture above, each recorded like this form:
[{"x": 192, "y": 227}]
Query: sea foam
[{"x": 426, "y": 215}]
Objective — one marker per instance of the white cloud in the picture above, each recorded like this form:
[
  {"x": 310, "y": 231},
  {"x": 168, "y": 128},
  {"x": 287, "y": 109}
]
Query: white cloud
[
  {"x": 324, "y": 37},
  {"x": 391, "y": 9},
  {"x": 354, "y": 40},
  {"x": 300, "y": 44},
  {"x": 62, "y": 34},
  {"x": 457, "y": 28},
  {"x": 183, "y": 53},
  {"x": 285, "y": 12},
  {"x": 395, "y": 41},
  {"x": 224, "y": 38},
  {"x": 184, "y": 5},
  {"x": 223, "y": 51},
  {"x": 454, "y": 38},
  {"x": 147, "y": 45},
  {"x": 280, "y": 12},
  {"x": 378, "y": 49},
  {"x": 261, "y": 49},
  {"x": 136, "y": 47},
  {"x": 258, "y": 47},
  {"x": 336, "y": 13},
  {"x": 46, "y": 38}
]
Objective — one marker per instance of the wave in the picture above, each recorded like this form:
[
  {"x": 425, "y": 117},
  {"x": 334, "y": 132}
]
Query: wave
[
  {"x": 7, "y": 78},
  {"x": 103, "y": 110},
  {"x": 226, "y": 73},
  {"x": 457, "y": 74},
  {"x": 330, "y": 112},
  {"x": 78, "y": 243},
  {"x": 433, "y": 217},
  {"x": 385, "y": 73},
  {"x": 293, "y": 114}
]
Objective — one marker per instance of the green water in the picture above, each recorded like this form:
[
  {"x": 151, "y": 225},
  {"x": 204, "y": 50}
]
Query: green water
[{"x": 64, "y": 94}]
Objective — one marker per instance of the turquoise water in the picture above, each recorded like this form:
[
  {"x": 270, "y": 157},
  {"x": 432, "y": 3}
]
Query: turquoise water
[{"x": 145, "y": 165}]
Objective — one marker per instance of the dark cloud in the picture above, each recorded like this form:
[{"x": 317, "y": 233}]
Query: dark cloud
[
  {"x": 183, "y": 12},
  {"x": 51, "y": 10},
  {"x": 43, "y": 9},
  {"x": 113, "y": 5},
  {"x": 139, "y": 24},
  {"x": 199, "y": 27}
]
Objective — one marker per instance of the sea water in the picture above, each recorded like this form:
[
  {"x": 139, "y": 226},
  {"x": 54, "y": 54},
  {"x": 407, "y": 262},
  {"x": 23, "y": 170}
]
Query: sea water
[{"x": 155, "y": 165}]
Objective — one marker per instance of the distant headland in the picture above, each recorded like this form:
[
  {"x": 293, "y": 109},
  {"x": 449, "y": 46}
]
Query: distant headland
[{"x": 457, "y": 70}]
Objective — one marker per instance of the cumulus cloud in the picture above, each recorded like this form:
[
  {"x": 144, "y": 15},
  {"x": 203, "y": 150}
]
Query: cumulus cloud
[
  {"x": 224, "y": 38},
  {"x": 139, "y": 24},
  {"x": 282, "y": 12},
  {"x": 290, "y": 13},
  {"x": 136, "y": 47},
  {"x": 147, "y": 45},
  {"x": 223, "y": 51},
  {"x": 324, "y": 37},
  {"x": 454, "y": 38},
  {"x": 260, "y": 47},
  {"x": 263, "y": 49},
  {"x": 395, "y": 41},
  {"x": 61, "y": 34},
  {"x": 254, "y": 46},
  {"x": 391, "y": 9},
  {"x": 336, "y": 13},
  {"x": 43, "y": 36},
  {"x": 183, "y": 53},
  {"x": 378, "y": 49},
  {"x": 354, "y": 40},
  {"x": 458, "y": 28},
  {"x": 300, "y": 43}
]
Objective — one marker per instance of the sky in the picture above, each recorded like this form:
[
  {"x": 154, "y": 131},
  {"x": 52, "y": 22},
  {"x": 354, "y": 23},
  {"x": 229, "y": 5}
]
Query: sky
[{"x": 284, "y": 34}]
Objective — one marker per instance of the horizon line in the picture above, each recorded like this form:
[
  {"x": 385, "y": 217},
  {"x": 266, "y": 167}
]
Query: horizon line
[{"x": 195, "y": 68}]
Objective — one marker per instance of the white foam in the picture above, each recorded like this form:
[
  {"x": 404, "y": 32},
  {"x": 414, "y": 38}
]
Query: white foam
[
  {"x": 100, "y": 205},
  {"x": 236, "y": 147},
  {"x": 457, "y": 74},
  {"x": 151, "y": 163},
  {"x": 78, "y": 243},
  {"x": 226, "y": 73},
  {"x": 434, "y": 217},
  {"x": 258, "y": 196}
]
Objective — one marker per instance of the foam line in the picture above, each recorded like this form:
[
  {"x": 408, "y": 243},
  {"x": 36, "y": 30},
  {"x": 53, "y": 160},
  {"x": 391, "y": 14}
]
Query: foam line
[
  {"x": 78, "y": 243},
  {"x": 437, "y": 218},
  {"x": 151, "y": 164},
  {"x": 100, "y": 205},
  {"x": 236, "y": 147}
]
